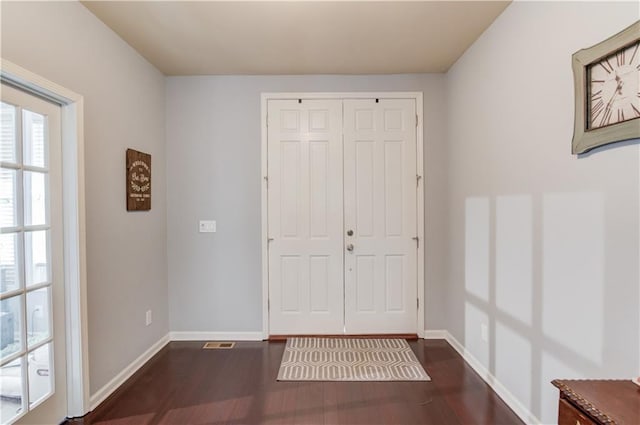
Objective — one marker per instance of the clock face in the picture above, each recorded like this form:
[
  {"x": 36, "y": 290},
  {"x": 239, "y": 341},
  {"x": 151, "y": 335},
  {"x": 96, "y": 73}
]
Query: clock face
[{"x": 614, "y": 88}]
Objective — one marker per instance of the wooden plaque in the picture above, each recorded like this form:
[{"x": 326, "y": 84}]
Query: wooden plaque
[{"x": 138, "y": 181}]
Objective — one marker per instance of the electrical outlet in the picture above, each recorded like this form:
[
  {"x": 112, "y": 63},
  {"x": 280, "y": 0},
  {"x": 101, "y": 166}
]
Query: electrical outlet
[
  {"x": 484, "y": 332},
  {"x": 148, "y": 319}
]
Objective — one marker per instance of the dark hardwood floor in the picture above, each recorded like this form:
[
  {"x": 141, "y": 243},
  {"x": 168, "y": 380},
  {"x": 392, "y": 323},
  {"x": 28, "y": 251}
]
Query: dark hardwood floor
[{"x": 184, "y": 384}]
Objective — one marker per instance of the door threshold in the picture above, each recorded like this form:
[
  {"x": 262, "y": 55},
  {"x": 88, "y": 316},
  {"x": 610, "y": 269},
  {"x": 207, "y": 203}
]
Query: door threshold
[{"x": 343, "y": 336}]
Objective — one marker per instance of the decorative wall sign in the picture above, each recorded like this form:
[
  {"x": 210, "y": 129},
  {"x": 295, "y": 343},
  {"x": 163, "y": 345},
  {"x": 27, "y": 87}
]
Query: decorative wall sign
[
  {"x": 138, "y": 181},
  {"x": 607, "y": 92}
]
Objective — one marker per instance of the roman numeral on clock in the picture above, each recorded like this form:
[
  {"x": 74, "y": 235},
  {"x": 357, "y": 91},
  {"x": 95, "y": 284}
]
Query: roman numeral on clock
[
  {"x": 634, "y": 53},
  {"x": 597, "y": 109},
  {"x": 606, "y": 118},
  {"x": 606, "y": 65}
]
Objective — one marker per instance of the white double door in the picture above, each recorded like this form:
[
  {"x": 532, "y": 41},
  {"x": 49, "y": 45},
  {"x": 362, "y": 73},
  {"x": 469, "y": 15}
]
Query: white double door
[{"x": 342, "y": 216}]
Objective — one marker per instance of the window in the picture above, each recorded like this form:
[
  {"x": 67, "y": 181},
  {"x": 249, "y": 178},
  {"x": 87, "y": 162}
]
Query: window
[{"x": 26, "y": 334}]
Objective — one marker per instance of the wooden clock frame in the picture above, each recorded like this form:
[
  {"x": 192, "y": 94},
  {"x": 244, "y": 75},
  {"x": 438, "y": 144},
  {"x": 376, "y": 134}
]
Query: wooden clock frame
[{"x": 585, "y": 139}]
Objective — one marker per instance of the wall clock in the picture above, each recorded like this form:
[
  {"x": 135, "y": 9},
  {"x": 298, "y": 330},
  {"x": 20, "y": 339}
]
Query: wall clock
[{"x": 607, "y": 91}]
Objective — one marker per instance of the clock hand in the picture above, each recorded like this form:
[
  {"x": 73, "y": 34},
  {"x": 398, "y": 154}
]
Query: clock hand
[
  {"x": 618, "y": 89},
  {"x": 615, "y": 93},
  {"x": 607, "y": 108},
  {"x": 620, "y": 84}
]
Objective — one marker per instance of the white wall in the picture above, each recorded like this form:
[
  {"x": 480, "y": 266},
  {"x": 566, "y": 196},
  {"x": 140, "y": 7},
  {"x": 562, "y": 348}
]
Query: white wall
[
  {"x": 124, "y": 107},
  {"x": 544, "y": 245},
  {"x": 213, "y": 151}
]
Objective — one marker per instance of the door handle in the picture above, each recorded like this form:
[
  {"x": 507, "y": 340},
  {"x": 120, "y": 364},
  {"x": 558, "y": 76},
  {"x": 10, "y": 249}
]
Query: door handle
[
  {"x": 350, "y": 247},
  {"x": 349, "y": 232}
]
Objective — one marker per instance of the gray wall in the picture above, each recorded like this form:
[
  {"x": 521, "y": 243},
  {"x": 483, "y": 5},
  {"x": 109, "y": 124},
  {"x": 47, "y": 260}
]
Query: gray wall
[
  {"x": 213, "y": 151},
  {"x": 124, "y": 107},
  {"x": 544, "y": 246}
]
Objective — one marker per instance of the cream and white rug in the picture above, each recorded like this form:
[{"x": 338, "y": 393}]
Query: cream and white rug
[{"x": 336, "y": 359}]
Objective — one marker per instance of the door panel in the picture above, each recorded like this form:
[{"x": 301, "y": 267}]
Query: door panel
[
  {"x": 380, "y": 209},
  {"x": 364, "y": 283},
  {"x": 364, "y": 188},
  {"x": 305, "y": 217}
]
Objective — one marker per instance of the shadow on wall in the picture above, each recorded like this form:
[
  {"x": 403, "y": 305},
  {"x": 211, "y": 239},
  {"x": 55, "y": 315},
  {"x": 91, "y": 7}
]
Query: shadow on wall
[{"x": 535, "y": 301}]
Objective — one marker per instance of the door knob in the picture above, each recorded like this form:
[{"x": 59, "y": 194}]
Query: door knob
[
  {"x": 350, "y": 247},
  {"x": 349, "y": 232}
]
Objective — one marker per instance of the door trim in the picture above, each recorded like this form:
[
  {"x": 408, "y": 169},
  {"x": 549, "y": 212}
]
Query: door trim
[
  {"x": 417, "y": 96},
  {"x": 74, "y": 228}
]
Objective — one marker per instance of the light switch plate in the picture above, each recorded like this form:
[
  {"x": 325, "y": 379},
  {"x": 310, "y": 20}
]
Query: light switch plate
[{"x": 207, "y": 226}]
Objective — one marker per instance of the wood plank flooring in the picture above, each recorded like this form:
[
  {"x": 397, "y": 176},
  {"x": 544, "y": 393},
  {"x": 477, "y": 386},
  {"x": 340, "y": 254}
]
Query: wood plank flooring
[{"x": 184, "y": 384}]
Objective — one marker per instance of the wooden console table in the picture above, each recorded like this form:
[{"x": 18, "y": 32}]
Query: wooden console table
[{"x": 598, "y": 402}]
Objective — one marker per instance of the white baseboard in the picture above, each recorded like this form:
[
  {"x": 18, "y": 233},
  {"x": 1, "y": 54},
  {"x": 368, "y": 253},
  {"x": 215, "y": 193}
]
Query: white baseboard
[
  {"x": 104, "y": 392},
  {"x": 435, "y": 334},
  {"x": 502, "y": 391},
  {"x": 216, "y": 336}
]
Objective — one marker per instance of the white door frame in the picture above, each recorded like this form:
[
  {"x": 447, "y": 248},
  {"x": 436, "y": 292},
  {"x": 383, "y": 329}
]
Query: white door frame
[
  {"x": 417, "y": 96},
  {"x": 74, "y": 235}
]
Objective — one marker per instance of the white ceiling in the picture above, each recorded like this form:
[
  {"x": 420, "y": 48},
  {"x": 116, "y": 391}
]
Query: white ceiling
[{"x": 305, "y": 37}]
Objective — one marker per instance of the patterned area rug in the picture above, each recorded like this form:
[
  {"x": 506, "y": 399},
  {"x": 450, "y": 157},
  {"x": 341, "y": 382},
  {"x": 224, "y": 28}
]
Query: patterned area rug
[{"x": 335, "y": 359}]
